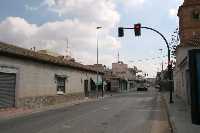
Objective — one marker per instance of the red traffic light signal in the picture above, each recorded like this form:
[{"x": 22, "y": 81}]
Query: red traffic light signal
[
  {"x": 137, "y": 29},
  {"x": 120, "y": 32}
]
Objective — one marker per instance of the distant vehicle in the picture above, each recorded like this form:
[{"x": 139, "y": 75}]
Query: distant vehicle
[
  {"x": 142, "y": 86},
  {"x": 157, "y": 87},
  {"x": 148, "y": 85},
  {"x": 142, "y": 89}
]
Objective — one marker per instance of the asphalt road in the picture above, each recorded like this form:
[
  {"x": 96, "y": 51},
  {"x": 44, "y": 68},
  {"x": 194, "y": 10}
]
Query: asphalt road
[{"x": 134, "y": 112}]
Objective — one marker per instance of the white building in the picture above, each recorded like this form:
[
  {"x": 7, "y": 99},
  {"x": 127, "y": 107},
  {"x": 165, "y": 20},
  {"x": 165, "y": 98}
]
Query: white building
[
  {"x": 125, "y": 74},
  {"x": 29, "y": 78},
  {"x": 187, "y": 72},
  {"x": 189, "y": 26}
]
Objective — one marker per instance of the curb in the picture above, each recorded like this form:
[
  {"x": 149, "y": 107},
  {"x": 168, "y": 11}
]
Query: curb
[{"x": 171, "y": 122}]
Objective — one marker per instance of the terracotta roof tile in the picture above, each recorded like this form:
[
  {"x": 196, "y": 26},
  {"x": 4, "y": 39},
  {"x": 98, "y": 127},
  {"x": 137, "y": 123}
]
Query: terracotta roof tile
[{"x": 9, "y": 49}]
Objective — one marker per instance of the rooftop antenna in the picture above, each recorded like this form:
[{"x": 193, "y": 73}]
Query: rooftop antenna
[
  {"x": 118, "y": 57},
  {"x": 68, "y": 49}
]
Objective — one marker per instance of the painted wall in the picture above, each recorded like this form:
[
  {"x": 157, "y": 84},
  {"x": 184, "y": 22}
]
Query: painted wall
[
  {"x": 119, "y": 68},
  {"x": 181, "y": 74},
  {"x": 38, "y": 79}
]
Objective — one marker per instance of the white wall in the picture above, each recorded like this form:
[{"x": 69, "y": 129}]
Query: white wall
[
  {"x": 182, "y": 83},
  {"x": 38, "y": 79}
]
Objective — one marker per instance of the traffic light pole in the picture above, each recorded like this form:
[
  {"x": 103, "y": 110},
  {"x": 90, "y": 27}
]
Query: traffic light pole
[{"x": 169, "y": 59}]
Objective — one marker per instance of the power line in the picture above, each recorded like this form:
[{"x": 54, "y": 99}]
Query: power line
[{"x": 148, "y": 59}]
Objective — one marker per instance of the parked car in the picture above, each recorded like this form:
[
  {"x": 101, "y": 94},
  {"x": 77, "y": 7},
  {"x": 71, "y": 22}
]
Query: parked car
[
  {"x": 157, "y": 87},
  {"x": 142, "y": 87},
  {"x": 148, "y": 85}
]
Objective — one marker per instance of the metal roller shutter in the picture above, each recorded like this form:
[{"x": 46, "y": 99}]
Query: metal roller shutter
[{"x": 7, "y": 90}]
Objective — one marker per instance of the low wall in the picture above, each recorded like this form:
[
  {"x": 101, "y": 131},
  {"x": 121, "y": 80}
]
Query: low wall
[{"x": 41, "y": 101}]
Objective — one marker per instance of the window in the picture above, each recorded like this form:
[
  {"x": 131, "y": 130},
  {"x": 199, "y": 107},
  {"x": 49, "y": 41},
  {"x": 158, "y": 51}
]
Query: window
[
  {"x": 60, "y": 85},
  {"x": 196, "y": 15}
]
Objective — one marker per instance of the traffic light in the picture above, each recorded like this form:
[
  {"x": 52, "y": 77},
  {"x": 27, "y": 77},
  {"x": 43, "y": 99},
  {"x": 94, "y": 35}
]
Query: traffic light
[
  {"x": 120, "y": 32},
  {"x": 137, "y": 29}
]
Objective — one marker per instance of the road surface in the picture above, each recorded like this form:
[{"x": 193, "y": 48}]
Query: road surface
[{"x": 137, "y": 112}]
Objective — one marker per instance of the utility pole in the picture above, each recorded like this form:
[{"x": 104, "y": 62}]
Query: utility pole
[
  {"x": 67, "y": 50},
  {"x": 97, "y": 84},
  {"x": 118, "y": 57}
]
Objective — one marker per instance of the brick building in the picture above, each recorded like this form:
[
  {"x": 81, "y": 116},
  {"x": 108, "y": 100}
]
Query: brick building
[
  {"x": 189, "y": 25},
  {"x": 186, "y": 73}
]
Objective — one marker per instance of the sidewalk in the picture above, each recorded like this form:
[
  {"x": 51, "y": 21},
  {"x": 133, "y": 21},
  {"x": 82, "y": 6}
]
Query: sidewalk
[
  {"x": 179, "y": 116},
  {"x": 10, "y": 113}
]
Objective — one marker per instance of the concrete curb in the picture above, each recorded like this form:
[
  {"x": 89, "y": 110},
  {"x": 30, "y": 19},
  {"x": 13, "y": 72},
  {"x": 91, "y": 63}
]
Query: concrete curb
[{"x": 171, "y": 122}]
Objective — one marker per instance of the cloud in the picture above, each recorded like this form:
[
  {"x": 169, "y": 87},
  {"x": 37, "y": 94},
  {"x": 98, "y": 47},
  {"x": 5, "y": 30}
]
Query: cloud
[
  {"x": 102, "y": 12},
  {"x": 134, "y": 2},
  {"x": 130, "y": 3},
  {"x": 54, "y": 36},
  {"x": 173, "y": 12},
  {"x": 16, "y": 29},
  {"x": 79, "y": 21},
  {"x": 30, "y": 8}
]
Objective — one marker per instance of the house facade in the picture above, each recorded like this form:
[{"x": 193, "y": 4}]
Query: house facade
[
  {"x": 189, "y": 25},
  {"x": 33, "y": 79},
  {"x": 120, "y": 78},
  {"x": 186, "y": 73}
]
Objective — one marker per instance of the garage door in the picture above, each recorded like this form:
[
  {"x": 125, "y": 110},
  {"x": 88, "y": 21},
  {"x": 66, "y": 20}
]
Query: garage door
[{"x": 7, "y": 90}]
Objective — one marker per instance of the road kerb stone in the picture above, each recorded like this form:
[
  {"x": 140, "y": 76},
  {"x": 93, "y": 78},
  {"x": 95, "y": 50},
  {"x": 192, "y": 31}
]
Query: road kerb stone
[
  {"x": 48, "y": 108},
  {"x": 171, "y": 122}
]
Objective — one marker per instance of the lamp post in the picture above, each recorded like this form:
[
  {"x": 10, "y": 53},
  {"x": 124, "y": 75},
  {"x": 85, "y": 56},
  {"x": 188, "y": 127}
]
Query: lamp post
[
  {"x": 161, "y": 58},
  {"x": 97, "y": 87}
]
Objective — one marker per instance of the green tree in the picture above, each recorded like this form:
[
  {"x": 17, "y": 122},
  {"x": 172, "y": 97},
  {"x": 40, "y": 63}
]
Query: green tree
[{"x": 175, "y": 41}]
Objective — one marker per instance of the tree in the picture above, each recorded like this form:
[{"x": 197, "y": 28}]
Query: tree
[{"x": 175, "y": 41}]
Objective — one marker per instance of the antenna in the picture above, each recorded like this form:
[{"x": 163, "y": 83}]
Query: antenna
[
  {"x": 118, "y": 57},
  {"x": 68, "y": 49}
]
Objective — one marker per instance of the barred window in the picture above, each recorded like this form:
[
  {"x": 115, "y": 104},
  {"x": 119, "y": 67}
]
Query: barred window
[
  {"x": 61, "y": 84},
  {"x": 196, "y": 15}
]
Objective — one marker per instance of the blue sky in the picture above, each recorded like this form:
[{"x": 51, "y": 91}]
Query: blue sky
[{"x": 47, "y": 24}]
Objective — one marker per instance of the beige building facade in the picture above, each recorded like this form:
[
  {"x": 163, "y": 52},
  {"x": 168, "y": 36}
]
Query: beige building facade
[
  {"x": 124, "y": 77},
  {"x": 41, "y": 79},
  {"x": 189, "y": 25}
]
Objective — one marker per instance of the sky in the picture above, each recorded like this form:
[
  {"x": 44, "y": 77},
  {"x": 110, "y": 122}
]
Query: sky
[{"x": 69, "y": 27}]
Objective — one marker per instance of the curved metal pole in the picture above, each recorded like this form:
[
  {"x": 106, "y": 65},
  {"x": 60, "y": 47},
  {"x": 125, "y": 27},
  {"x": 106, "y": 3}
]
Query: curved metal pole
[{"x": 169, "y": 57}]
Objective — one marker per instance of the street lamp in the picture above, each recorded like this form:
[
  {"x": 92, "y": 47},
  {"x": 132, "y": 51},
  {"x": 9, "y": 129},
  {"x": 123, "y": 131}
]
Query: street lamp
[
  {"x": 162, "y": 58},
  {"x": 97, "y": 88}
]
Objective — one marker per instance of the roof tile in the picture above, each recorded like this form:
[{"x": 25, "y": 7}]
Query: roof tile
[{"x": 25, "y": 53}]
